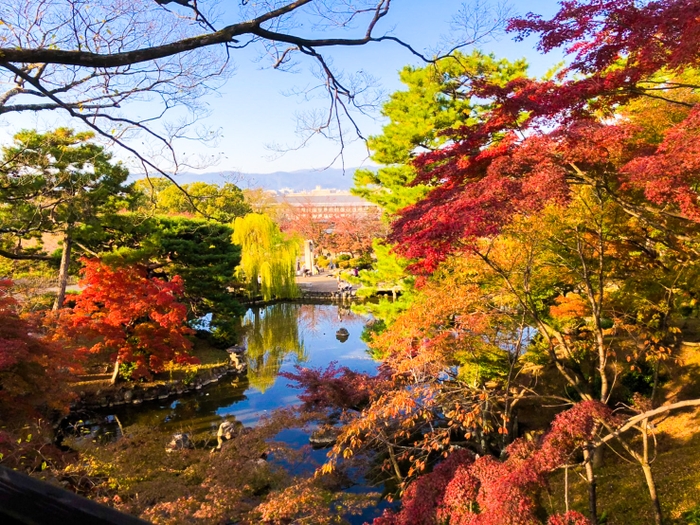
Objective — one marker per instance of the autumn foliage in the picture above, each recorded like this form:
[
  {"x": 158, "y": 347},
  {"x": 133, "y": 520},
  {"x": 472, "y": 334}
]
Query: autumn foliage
[
  {"x": 550, "y": 226},
  {"x": 469, "y": 490},
  {"x": 555, "y": 233},
  {"x": 33, "y": 377},
  {"x": 334, "y": 388},
  {"x": 134, "y": 318},
  {"x": 336, "y": 231},
  {"x": 539, "y": 137},
  {"x": 32, "y": 370}
]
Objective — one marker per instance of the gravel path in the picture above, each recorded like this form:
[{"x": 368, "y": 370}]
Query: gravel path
[{"x": 323, "y": 282}]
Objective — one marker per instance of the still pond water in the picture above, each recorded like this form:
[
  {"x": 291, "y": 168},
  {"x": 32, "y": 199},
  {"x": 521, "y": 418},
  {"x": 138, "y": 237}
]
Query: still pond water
[{"x": 277, "y": 337}]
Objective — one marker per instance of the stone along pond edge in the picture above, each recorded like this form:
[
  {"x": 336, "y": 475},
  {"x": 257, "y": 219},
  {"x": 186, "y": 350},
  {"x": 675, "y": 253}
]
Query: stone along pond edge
[{"x": 135, "y": 394}]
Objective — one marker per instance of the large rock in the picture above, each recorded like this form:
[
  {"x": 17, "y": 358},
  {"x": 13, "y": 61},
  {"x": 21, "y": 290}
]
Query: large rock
[
  {"x": 180, "y": 441},
  {"x": 342, "y": 335},
  {"x": 236, "y": 355},
  {"x": 227, "y": 430},
  {"x": 324, "y": 437}
]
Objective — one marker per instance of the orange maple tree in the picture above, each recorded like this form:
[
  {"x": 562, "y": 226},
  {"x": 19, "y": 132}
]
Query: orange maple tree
[{"x": 135, "y": 318}]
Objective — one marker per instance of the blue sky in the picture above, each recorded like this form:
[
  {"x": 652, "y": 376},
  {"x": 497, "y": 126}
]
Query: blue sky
[{"x": 251, "y": 111}]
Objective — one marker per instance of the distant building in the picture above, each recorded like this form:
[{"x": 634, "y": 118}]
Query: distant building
[{"x": 323, "y": 204}]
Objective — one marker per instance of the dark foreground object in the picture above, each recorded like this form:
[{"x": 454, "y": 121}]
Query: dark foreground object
[{"x": 28, "y": 501}]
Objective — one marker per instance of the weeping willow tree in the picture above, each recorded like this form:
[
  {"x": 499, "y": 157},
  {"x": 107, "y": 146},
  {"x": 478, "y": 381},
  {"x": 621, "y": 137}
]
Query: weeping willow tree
[
  {"x": 272, "y": 333},
  {"x": 268, "y": 257}
]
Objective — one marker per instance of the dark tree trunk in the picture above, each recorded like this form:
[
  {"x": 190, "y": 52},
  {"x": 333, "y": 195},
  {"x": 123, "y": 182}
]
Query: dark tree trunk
[
  {"x": 598, "y": 457},
  {"x": 590, "y": 477},
  {"x": 63, "y": 271},
  {"x": 656, "y": 382}
]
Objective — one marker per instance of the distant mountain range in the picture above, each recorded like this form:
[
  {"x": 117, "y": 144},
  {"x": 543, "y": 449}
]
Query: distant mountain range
[{"x": 302, "y": 180}]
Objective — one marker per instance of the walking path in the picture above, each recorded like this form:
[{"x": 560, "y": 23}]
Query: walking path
[{"x": 322, "y": 282}]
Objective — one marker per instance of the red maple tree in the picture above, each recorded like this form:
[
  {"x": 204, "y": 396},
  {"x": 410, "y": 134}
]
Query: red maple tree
[
  {"x": 335, "y": 230},
  {"x": 540, "y": 136},
  {"x": 355, "y": 233},
  {"x": 32, "y": 370},
  {"x": 468, "y": 490},
  {"x": 135, "y": 318},
  {"x": 33, "y": 378},
  {"x": 335, "y": 387},
  {"x": 306, "y": 222}
]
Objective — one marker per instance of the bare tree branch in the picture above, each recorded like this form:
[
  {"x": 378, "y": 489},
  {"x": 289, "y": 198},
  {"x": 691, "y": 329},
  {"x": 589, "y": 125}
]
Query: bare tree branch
[
  {"x": 91, "y": 58},
  {"x": 631, "y": 422}
]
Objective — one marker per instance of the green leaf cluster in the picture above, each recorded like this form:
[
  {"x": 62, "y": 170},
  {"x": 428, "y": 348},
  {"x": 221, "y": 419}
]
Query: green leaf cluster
[
  {"x": 52, "y": 182},
  {"x": 436, "y": 99},
  {"x": 199, "y": 199},
  {"x": 198, "y": 250},
  {"x": 268, "y": 257}
]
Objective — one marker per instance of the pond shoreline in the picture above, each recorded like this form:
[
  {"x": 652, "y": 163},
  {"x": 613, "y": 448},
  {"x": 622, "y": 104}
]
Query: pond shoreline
[
  {"x": 135, "y": 394},
  {"x": 310, "y": 297},
  {"x": 275, "y": 339}
]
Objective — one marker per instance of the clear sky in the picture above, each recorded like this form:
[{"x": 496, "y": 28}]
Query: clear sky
[{"x": 252, "y": 112}]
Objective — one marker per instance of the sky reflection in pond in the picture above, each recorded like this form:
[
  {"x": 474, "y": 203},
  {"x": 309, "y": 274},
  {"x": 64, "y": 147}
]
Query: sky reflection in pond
[{"x": 277, "y": 337}]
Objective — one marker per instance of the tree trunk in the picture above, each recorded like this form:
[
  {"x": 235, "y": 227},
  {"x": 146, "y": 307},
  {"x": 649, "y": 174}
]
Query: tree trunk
[
  {"x": 652, "y": 492},
  {"x": 658, "y": 519},
  {"x": 115, "y": 372},
  {"x": 63, "y": 271},
  {"x": 566, "y": 489},
  {"x": 656, "y": 382},
  {"x": 598, "y": 457},
  {"x": 590, "y": 477},
  {"x": 646, "y": 468}
]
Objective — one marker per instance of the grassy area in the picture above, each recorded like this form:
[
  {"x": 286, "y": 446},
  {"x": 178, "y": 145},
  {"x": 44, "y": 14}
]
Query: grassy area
[
  {"x": 623, "y": 496},
  {"x": 208, "y": 356},
  {"x": 622, "y": 492}
]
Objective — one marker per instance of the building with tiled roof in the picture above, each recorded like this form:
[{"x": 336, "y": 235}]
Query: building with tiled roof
[{"x": 325, "y": 204}]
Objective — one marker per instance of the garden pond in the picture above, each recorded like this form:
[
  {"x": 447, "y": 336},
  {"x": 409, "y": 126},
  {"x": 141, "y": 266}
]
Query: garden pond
[{"x": 277, "y": 337}]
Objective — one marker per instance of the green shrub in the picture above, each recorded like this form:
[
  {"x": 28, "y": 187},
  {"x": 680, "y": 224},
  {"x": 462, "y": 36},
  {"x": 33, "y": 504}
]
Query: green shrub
[
  {"x": 692, "y": 517},
  {"x": 361, "y": 263},
  {"x": 126, "y": 370}
]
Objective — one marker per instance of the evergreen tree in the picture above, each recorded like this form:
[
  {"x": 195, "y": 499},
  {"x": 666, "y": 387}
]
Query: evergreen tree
[
  {"x": 52, "y": 183},
  {"x": 198, "y": 250},
  {"x": 433, "y": 102}
]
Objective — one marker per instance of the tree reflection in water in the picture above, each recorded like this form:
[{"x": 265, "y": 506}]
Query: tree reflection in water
[
  {"x": 271, "y": 334},
  {"x": 276, "y": 331},
  {"x": 313, "y": 316}
]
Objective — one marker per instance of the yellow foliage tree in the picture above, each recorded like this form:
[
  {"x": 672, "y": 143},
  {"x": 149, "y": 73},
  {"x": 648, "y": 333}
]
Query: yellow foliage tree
[{"x": 268, "y": 257}]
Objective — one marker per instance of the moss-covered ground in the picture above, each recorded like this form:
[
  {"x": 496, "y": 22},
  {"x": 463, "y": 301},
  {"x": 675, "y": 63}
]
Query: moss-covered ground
[
  {"x": 210, "y": 357},
  {"x": 622, "y": 492}
]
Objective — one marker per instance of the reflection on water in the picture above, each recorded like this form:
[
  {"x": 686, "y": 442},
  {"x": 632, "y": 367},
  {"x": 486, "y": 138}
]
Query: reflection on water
[
  {"x": 271, "y": 334},
  {"x": 278, "y": 337},
  {"x": 276, "y": 333}
]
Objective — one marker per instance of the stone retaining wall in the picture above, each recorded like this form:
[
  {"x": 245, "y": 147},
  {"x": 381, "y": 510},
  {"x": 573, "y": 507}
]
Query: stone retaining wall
[
  {"x": 137, "y": 394},
  {"x": 330, "y": 296}
]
